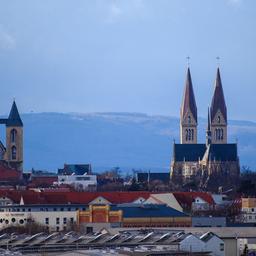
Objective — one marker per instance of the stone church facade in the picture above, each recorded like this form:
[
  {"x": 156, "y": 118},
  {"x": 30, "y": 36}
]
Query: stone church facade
[
  {"x": 211, "y": 165},
  {"x": 11, "y": 154}
]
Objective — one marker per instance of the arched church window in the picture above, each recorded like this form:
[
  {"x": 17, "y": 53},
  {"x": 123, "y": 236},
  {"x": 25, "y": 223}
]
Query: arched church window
[
  {"x": 192, "y": 134},
  {"x": 189, "y": 119},
  {"x": 189, "y": 134},
  {"x": 221, "y": 134},
  {"x": 219, "y": 119},
  {"x": 13, "y": 135},
  {"x": 14, "y": 153},
  {"x": 216, "y": 134},
  {"x": 186, "y": 134}
]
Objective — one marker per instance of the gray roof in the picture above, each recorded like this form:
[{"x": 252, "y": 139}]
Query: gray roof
[
  {"x": 189, "y": 102},
  {"x": 194, "y": 152},
  {"x": 218, "y": 100},
  {"x": 14, "y": 117}
]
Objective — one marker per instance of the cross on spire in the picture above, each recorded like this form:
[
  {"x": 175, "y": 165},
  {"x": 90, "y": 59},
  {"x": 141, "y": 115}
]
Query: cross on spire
[
  {"x": 218, "y": 61},
  {"x": 188, "y": 61}
]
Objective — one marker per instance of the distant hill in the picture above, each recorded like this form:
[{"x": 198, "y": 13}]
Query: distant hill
[{"x": 127, "y": 140}]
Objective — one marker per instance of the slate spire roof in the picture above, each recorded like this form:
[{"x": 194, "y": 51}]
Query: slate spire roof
[
  {"x": 14, "y": 116},
  {"x": 189, "y": 102},
  {"x": 218, "y": 100},
  {"x": 208, "y": 121}
]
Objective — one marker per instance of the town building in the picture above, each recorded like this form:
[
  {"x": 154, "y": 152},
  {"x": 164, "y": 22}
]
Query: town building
[
  {"x": 213, "y": 243},
  {"x": 212, "y": 165},
  {"x": 78, "y": 182},
  {"x": 75, "y": 169},
  {"x": 248, "y": 211}
]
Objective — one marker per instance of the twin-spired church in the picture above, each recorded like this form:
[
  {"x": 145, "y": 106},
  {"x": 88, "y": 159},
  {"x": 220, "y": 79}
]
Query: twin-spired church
[{"x": 215, "y": 163}]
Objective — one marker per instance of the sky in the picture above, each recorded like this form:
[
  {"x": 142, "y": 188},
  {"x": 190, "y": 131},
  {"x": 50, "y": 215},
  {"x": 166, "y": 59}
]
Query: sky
[{"x": 126, "y": 55}]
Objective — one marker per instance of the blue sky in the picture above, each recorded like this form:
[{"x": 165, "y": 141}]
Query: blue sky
[{"x": 126, "y": 55}]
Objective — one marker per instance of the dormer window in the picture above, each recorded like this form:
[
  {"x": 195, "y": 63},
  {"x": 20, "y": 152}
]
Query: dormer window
[{"x": 218, "y": 119}]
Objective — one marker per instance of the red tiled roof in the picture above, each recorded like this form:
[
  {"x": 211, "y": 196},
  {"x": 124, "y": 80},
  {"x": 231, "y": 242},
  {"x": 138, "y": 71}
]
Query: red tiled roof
[
  {"x": 33, "y": 197},
  {"x": 8, "y": 174},
  {"x": 42, "y": 181},
  {"x": 187, "y": 198}
]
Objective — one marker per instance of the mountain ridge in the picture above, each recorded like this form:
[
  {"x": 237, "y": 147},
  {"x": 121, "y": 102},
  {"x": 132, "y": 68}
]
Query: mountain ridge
[{"x": 108, "y": 139}]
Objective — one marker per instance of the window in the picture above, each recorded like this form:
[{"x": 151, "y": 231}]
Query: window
[
  {"x": 13, "y": 135},
  {"x": 57, "y": 229},
  {"x": 189, "y": 134},
  {"x": 57, "y": 221},
  {"x": 47, "y": 221},
  {"x": 222, "y": 247},
  {"x": 219, "y": 119},
  {"x": 189, "y": 119},
  {"x": 186, "y": 134},
  {"x": 221, "y": 134},
  {"x": 71, "y": 220},
  {"x": 82, "y": 178},
  {"x": 64, "y": 220},
  {"x": 14, "y": 153},
  {"x": 13, "y": 219}
]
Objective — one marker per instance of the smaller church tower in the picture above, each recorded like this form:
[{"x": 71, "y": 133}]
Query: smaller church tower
[
  {"x": 14, "y": 139},
  {"x": 188, "y": 114},
  {"x": 218, "y": 113}
]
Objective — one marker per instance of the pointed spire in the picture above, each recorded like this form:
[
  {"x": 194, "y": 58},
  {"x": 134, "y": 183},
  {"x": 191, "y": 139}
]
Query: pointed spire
[
  {"x": 218, "y": 100},
  {"x": 208, "y": 132},
  {"x": 209, "y": 121},
  {"x": 14, "y": 116},
  {"x": 189, "y": 102}
]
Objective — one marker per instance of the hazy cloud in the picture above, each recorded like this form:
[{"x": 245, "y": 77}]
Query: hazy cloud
[
  {"x": 235, "y": 2},
  {"x": 7, "y": 41},
  {"x": 119, "y": 8}
]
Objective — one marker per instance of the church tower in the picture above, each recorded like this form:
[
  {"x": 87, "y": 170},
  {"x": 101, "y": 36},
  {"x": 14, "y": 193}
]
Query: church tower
[
  {"x": 14, "y": 139},
  {"x": 208, "y": 131},
  {"x": 188, "y": 114},
  {"x": 218, "y": 113}
]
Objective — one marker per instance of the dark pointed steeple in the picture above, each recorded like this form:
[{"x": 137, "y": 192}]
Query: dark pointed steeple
[
  {"x": 14, "y": 116},
  {"x": 189, "y": 102},
  {"x": 218, "y": 100}
]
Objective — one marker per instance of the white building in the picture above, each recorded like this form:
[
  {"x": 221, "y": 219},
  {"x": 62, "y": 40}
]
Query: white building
[
  {"x": 79, "y": 182},
  {"x": 191, "y": 243},
  {"x": 200, "y": 204},
  {"x": 54, "y": 217},
  {"x": 213, "y": 243}
]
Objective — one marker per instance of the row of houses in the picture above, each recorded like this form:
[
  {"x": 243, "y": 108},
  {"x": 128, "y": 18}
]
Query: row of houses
[{"x": 59, "y": 210}]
